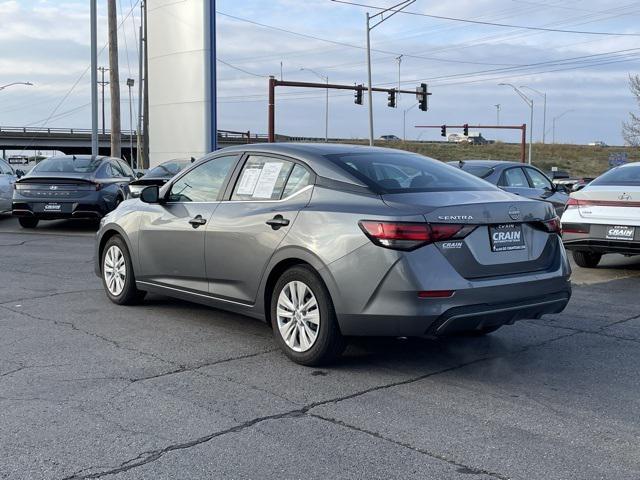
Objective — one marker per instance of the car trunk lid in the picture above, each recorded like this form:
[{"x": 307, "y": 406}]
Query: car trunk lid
[{"x": 510, "y": 235}]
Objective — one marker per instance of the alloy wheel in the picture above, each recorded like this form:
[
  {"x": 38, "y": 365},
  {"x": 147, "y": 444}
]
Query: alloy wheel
[
  {"x": 298, "y": 316},
  {"x": 114, "y": 270}
]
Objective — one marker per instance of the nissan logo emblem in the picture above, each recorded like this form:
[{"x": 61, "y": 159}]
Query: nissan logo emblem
[
  {"x": 514, "y": 212},
  {"x": 625, "y": 196}
]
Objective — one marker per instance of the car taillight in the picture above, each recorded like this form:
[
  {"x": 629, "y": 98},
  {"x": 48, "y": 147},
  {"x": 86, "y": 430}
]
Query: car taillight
[
  {"x": 553, "y": 225},
  {"x": 576, "y": 228},
  {"x": 409, "y": 236}
]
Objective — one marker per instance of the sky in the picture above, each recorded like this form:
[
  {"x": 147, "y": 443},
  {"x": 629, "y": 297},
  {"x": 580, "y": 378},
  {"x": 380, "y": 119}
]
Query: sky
[{"x": 584, "y": 76}]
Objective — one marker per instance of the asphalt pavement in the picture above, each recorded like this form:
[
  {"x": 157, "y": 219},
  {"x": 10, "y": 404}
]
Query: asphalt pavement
[{"x": 174, "y": 390}]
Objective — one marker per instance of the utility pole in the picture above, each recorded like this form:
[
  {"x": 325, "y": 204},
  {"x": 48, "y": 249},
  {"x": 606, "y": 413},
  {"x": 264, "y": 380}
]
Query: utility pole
[
  {"x": 497, "y": 105},
  {"x": 94, "y": 77},
  {"x": 395, "y": 9},
  {"x": 102, "y": 84},
  {"x": 139, "y": 124},
  {"x": 130, "y": 84},
  {"x": 114, "y": 78},
  {"x": 399, "y": 59}
]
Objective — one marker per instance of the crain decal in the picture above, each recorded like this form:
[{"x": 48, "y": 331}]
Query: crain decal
[{"x": 452, "y": 245}]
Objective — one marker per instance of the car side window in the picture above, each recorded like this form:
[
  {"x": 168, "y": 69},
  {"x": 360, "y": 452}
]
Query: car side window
[
  {"x": 126, "y": 169},
  {"x": 204, "y": 182},
  {"x": 539, "y": 180},
  {"x": 262, "y": 178},
  {"x": 116, "y": 169},
  {"x": 299, "y": 178},
  {"x": 514, "y": 177}
]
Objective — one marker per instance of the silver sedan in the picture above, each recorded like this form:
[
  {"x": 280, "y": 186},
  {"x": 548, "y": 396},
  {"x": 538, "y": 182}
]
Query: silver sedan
[
  {"x": 328, "y": 241},
  {"x": 8, "y": 177}
]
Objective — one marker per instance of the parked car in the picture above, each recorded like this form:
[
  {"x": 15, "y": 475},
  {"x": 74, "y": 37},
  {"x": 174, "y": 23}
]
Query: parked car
[
  {"x": 390, "y": 138},
  {"x": 525, "y": 180},
  {"x": 477, "y": 139},
  {"x": 604, "y": 217},
  {"x": 8, "y": 176},
  {"x": 317, "y": 241},
  {"x": 74, "y": 186},
  {"x": 158, "y": 175}
]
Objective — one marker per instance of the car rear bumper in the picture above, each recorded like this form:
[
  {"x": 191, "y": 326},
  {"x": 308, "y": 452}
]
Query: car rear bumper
[
  {"x": 67, "y": 210},
  {"x": 599, "y": 245},
  {"x": 465, "y": 310}
]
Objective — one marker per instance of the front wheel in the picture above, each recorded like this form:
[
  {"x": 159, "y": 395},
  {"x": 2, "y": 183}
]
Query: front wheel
[
  {"x": 117, "y": 273},
  {"x": 28, "y": 222},
  {"x": 303, "y": 318},
  {"x": 586, "y": 259}
]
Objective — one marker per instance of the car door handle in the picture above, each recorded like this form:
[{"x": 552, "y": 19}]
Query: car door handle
[
  {"x": 277, "y": 222},
  {"x": 197, "y": 221}
]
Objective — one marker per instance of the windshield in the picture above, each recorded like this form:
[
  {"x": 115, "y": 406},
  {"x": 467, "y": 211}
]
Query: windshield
[
  {"x": 623, "y": 176},
  {"x": 68, "y": 165},
  {"x": 400, "y": 172},
  {"x": 167, "y": 169}
]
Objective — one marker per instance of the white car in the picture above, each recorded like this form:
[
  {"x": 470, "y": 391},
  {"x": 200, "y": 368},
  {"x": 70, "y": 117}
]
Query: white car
[
  {"x": 604, "y": 217},
  {"x": 8, "y": 176}
]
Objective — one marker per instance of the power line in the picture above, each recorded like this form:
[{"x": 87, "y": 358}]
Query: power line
[{"x": 492, "y": 24}]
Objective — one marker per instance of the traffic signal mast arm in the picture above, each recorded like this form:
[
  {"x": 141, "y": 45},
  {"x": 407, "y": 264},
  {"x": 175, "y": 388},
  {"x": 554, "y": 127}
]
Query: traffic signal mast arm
[{"x": 421, "y": 94}]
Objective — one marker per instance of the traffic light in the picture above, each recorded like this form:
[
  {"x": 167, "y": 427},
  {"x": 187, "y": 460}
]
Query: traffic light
[
  {"x": 391, "y": 99},
  {"x": 358, "y": 95},
  {"x": 465, "y": 130},
  {"x": 423, "y": 98},
  {"x": 443, "y": 131}
]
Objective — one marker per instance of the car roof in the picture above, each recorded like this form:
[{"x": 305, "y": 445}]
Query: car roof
[
  {"x": 488, "y": 163},
  {"x": 315, "y": 155}
]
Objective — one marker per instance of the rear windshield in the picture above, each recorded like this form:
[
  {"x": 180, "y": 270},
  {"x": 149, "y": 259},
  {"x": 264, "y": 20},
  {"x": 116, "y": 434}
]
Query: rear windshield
[
  {"x": 68, "y": 165},
  {"x": 391, "y": 172},
  {"x": 477, "y": 170},
  {"x": 624, "y": 176},
  {"x": 167, "y": 169}
]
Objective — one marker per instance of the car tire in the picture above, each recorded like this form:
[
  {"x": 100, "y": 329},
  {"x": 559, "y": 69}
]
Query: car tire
[
  {"x": 28, "y": 222},
  {"x": 119, "y": 283},
  {"x": 309, "y": 325},
  {"x": 586, "y": 259}
]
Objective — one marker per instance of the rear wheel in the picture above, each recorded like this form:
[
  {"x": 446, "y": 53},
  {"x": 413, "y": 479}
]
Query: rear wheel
[
  {"x": 28, "y": 222},
  {"x": 117, "y": 273},
  {"x": 304, "y": 321},
  {"x": 586, "y": 259}
]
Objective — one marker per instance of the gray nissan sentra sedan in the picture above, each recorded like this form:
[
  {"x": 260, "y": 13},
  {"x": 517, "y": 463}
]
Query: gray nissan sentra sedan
[{"x": 328, "y": 241}]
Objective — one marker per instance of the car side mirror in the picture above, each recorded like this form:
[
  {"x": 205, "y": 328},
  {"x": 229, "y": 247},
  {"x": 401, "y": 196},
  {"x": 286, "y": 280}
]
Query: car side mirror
[
  {"x": 150, "y": 194},
  {"x": 139, "y": 174},
  {"x": 19, "y": 173}
]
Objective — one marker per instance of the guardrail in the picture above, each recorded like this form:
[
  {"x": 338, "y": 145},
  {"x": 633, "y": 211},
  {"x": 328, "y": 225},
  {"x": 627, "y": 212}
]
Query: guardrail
[{"x": 56, "y": 130}]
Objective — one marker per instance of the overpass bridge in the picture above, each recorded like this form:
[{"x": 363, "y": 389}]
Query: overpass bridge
[{"x": 77, "y": 141}]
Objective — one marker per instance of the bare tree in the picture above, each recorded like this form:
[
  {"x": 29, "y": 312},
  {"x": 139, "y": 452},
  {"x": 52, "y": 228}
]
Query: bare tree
[{"x": 631, "y": 129}]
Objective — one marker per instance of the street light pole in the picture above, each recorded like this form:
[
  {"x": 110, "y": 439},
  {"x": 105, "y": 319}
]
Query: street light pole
[
  {"x": 326, "y": 108},
  {"x": 394, "y": 9},
  {"x": 404, "y": 120},
  {"x": 529, "y": 102},
  {"x": 16, "y": 83},
  {"x": 544, "y": 111},
  {"x": 497, "y": 105}
]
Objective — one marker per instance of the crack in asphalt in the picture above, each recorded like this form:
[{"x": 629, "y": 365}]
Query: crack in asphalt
[
  {"x": 600, "y": 331},
  {"x": 438, "y": 456},
  {"x": 86, "y": 332},
  {"x": 154, "y": 455},
  {"x": 50, "y": 295}
]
